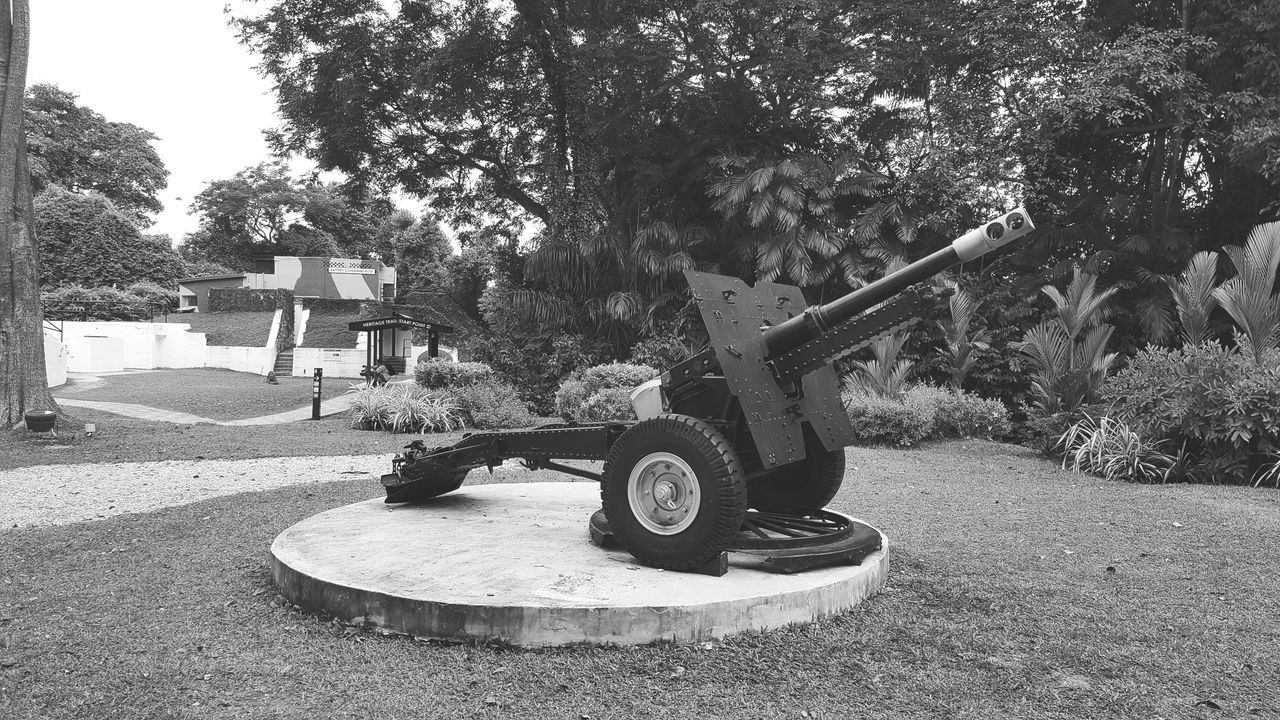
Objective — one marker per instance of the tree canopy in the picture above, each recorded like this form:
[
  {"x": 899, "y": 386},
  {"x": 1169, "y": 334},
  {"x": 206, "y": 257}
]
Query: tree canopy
[
  {"x": 86, "y": 240},
  {"x": 78, "y": 149},
  {"x": 263, "y": 209},
  {"x": 811, "y": 141}
]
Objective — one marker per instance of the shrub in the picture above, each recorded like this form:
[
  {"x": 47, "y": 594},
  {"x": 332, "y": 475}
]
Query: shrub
[
  {"x": 608, "y": 404},
  {"x": 535, "y": 365},
  {"x": 661, "y": 351},
  {"x": 923, "y": 412},
  {"x": 491, "y": 406},
  {"x": 888, "y": 421},
  {"x": 1217, "y": 408},
  {"x": 577, "y": 397},
  {"x": 437, "y": 373},
  {"x": 1113, "y": 450},
  {"x": 961, "y": 414},
  {"x": 403, "y": 408}
]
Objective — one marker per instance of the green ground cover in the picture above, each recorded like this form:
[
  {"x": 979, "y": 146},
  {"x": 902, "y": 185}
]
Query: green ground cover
[
  {"x": 1016, "y": 590},
  {"x": 329, "y": 330},
  {"x": 208, "y": 392},
  {"x": 233, "y": 329}
]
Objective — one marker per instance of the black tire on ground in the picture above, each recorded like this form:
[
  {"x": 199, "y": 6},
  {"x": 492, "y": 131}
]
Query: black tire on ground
[
  {"x": 806, "y": 485},
  {"x": 426, "y": 489},
  {"x": 673, "y": 491}
]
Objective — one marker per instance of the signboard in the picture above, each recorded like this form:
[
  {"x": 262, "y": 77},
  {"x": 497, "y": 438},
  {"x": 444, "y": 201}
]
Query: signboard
[
  {"x": 398, "y": 321},
  {"x": 357, "y": 267}
]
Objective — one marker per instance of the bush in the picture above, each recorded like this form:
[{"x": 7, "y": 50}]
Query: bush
[
  {"x": 923, "y": 412},
  {"x": 535, "y": 365},
  {"x": 888, "y": 421},
  {"x": 491, "y": 406},
  {"x": 961, "y": 414},
  {"x": 436, "y": 373},
  {"x": 402, "y": 409},
  {"x": 1216, "y": 409},
  {"x": 608, "y": 404},
  {"x": 577, "y": 397},
  {"x": 1111, "y": 449}
]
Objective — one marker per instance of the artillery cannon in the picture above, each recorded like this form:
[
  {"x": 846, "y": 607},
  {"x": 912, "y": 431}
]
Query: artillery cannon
[{"x": 737, "y": 448}]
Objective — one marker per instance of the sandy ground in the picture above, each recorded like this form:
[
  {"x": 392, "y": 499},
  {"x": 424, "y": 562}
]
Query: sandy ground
[{"x": 61, "y": 494}]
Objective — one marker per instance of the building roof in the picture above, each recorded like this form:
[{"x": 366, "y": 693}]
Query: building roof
[
  {"x": 200, "y": 278},
  {"x": 437, "y": 308}
]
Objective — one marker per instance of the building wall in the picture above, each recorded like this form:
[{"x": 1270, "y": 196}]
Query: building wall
[
  {"x": 113, "y": 346},
  {"x": 200, "y": 288},
  {"x": 55, "y": 361}
]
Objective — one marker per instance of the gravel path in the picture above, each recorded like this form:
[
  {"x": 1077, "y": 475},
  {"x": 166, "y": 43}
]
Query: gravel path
[{"x": 62, "y": 494}]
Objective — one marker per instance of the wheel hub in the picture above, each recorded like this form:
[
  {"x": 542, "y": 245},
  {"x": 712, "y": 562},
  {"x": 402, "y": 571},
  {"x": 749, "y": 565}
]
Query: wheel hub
[{"x": 663, "y": 493}]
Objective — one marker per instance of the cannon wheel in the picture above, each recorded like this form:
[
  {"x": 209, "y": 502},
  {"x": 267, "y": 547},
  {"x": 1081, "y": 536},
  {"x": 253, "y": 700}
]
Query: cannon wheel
[
  {"x": 806, "y": 485},
  {"x": 674, "y": 492}
]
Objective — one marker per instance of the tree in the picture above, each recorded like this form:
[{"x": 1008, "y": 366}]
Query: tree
[
  {"x": 85, "y": 240},
  {"x": 262, "y": 209},
  {"x": 23, "y": 385},
  {"x": 72, "y": 146}
]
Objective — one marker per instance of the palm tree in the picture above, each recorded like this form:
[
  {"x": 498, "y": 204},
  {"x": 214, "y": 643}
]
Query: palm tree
[
  {"x": 1193, "y": 294},
  {"x": 1248, "y": 296},
  {"x": 958, "y": 354},
  {"x": 1069, "y": 351}
]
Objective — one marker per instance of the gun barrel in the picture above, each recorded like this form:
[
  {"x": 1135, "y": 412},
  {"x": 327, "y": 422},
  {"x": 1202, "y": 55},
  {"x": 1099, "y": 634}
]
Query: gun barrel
[{"x": 820, "y": 319}]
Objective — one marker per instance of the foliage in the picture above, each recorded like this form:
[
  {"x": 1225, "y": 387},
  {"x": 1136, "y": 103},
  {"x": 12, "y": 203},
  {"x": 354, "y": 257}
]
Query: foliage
[
  {"x": 1249, "y": 296},
  {"x": 602, "y": 392},
  {"x": 1070, "y": 351},
  {"x": 75, "y": 302},
  {"x": 884, "y": 374},
  {"x": 85, "y": 240},
  {"x": 490, "y": 405},
  {"x": 75, "y": 148},
  {"x": 165, "y": 296},
  {"x": 879, "y": 420},
  {"x": 1217, "y": 410},
  {"x": 438, "y": 373},
  {"x": 608, "y": 404},
  {"x": 403, "y": 408},
  {"x": 960, "y": 345},
  {"x": 962, "y": 414},
  {"x": 262, "y": 209},
  {"x": 924, "y": 412},
  {"x": 661, "y": 351},
  {"x": 1193, "y": 296},
  {"x": 1110, "y": 448}
]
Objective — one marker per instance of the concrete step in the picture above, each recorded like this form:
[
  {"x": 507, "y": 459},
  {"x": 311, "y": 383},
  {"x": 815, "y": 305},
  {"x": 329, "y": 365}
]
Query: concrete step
[{"x": 284, "y": 362}]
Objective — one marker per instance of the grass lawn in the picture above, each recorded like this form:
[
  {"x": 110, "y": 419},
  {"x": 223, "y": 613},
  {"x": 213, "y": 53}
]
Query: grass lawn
[
  {"x": 208, "y": 392},
  {"x": 329, "y": 330},
  {"x": 122, "y": 439},
  {"x": 1016, "y": 590},
  {"x": 234, "y": 329}
]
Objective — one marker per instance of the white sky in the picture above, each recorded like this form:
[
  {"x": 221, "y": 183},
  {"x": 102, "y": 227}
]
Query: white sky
[{"x": 169, "y": 66}]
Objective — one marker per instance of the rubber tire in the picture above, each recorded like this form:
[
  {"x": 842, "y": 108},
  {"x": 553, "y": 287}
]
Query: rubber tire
[
  {"x": 422, "y": 490},
  {"x": 806, "y": 485},
  {"x": 722, "y": 486}
]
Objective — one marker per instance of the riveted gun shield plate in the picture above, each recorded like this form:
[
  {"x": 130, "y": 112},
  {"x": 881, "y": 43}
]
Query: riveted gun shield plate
[{"x": 734, "y": 312}]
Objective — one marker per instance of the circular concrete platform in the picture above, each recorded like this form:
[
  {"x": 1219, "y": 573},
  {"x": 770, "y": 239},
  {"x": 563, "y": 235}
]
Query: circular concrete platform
[{"x": 513, "y": 563}]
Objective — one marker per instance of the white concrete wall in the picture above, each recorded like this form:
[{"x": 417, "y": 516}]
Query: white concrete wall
[
  {"x": 343, "y": 363},
  {"x": 258, "y": 361},
  {"x": 55, "y": 361},
  {"x": 113, "y": 346}
]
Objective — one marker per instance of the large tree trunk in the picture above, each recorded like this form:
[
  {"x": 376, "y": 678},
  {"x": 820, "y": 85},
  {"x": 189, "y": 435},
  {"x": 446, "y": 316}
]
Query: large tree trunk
[{"x": 23, "y": 385}]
